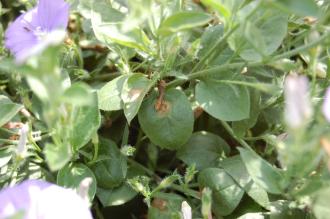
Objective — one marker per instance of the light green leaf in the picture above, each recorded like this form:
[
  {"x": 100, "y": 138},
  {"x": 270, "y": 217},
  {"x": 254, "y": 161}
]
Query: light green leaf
[
  {"x": 301, "y": 7},
  {"x": 203, "y": 149},
  {"x": 183, "y": 21},
  {"x": 86, "y": 121},
  {"x": 78, "y": 94},
  {"x": 8, "y": 109},
  {"x": 134, "y": 90},
  {"x": 71, "y": 176},
  {"x": 171, "y": 125},
  {"x": 5, "y": 156},
  {"x": 57, "y": 156},
  {"x": 109, "y": 95},
  {"x": 223, "y": 101},
  {"x": 262, "y": 172}
]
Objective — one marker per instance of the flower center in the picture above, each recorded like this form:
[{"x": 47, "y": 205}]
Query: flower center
[{"x": 40, "y": 33}]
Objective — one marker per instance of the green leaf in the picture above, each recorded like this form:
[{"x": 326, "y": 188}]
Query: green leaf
[
  {"x": 183, "y": 21},
  {"x": 171, "y": 125},
  {"x": 260, "y": 34},
  {"x": 116, "y": 196},
  {"x": 219, "y": 7},
  {"x": 57, "y": 156},
  {"x": 86, "y": 121},
  {"x": 78, "y": 94},
  {"x": 106, "y": 22},
  {"x": 8, "y": 109},
  {"x": 5, "y": 156},
  {"x": 226, "y": 193},
  {"x": 262, "y": 172},
  {"x": 235, "y": 167},
  {"x": 168, "y": 206},
  {"x": 134, "y": 90},
  {"x": 321, "y": 204},
  {"x": 110, "y": 171},
  {"x": 223, "y": 101},
  {"x": 71, "y": 176},
  {"x": 109, "y": 95},
  {"x": 301, "y": 7},
  {"x": 203, "y": 149}
]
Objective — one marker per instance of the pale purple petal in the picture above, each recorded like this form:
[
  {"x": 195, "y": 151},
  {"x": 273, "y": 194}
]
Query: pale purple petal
[
  {"x": 19, "y": 35},
  {"x": 53, "y": 14},
  {"x": 298, "y": 108},
  {"x": 42, "y": 200},
  {"x": 326, "y": 105}
]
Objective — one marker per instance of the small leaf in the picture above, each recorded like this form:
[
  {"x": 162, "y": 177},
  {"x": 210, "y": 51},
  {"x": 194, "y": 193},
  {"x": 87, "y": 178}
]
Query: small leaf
[
  {"x": 109, "y": 95},
  {"x": 110, "y": 171},
  {"x": 262, "y": 172},
  {"x": 226, "y": 193},
  {"x": 134, "y": 90},
  {"x": 223, "y": 101},
  {"x": 203, "y": 149},
  {"x": 71, "y": 176},
  {"x": 183, "y": 21},
  {"x": 8, "y": 109},
  {"x": 170, "y": 126},
  {"x": 5, "y": 156},
  {"x": 219, "y": 7}
]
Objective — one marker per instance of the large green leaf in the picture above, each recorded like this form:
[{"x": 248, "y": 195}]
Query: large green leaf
[
  {"x": 203, "y": 149},
  {"x": 134, "y": 90},
  {"x": 109, "y": 95},
  {"x": 182, "y": 21},
  {"x": 235, "y": 167},
  {"x": 8, "y": 109},
  {"x": 171, "y": 125},
  {"x": 71, "y": 176},
  {"x": 111, "y": 168},
  {"x": 57, "y": 156},
  {"x": 226, "y": 193},
  {"x": 86, "y": 121},
  {"x": 223, "y": 101},
  {"x": 260, "y": 34},
  {"x": 264, "y": 174},
  {"x": 301, "y": 7}
]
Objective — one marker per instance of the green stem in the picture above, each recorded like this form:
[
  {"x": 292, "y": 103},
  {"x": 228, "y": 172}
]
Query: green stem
[{"x": 232, "y": 133}]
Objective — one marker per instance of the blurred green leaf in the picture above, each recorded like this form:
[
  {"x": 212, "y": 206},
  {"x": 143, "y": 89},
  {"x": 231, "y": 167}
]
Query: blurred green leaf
[
  {"x": 78, "y": 94},
  {"x": 301, "y": 7},
  {"x": 171, "y": 125},
  {"x": 86, "y": 121},
  {"x": 57, "y": 156},
  {"x": 183, "y": 21},
  {"x": 8, "y": 109},
  {"x": 71, "y": 176},
  {"x": 5, "y": 156},
  {"x": 116, "y": 196}
]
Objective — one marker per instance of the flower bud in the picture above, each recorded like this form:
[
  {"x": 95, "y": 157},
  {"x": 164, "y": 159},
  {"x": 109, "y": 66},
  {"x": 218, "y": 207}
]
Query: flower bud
[
  {"x": 297, "y": 102},
  {"x": 23, "y": 137},
  {"x": 186, "y": 210}
]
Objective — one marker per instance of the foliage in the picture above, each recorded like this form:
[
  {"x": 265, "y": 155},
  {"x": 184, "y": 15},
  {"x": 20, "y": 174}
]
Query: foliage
[{"x": 166, "y": 101}]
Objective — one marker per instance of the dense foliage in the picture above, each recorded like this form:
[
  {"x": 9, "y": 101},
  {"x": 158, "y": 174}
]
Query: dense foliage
[{"x": 219, "y": 103}]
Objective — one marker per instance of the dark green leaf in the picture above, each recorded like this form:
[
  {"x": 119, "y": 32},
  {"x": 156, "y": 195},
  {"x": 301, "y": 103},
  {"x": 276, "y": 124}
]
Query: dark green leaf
[
  {"x": 8, "y": 109},
  {"x": 172, "y": 124},
  {"x": 203, "y": 149}
]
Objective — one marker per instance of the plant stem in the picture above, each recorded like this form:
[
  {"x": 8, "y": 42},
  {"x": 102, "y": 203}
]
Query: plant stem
[{"x": 231, "y": 132}]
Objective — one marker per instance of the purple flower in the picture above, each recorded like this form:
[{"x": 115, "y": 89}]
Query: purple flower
[
  {"x": 37, "y": 199},
  {"x": 28, "y": 34},
  {"x": 326, "y": 105}
]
